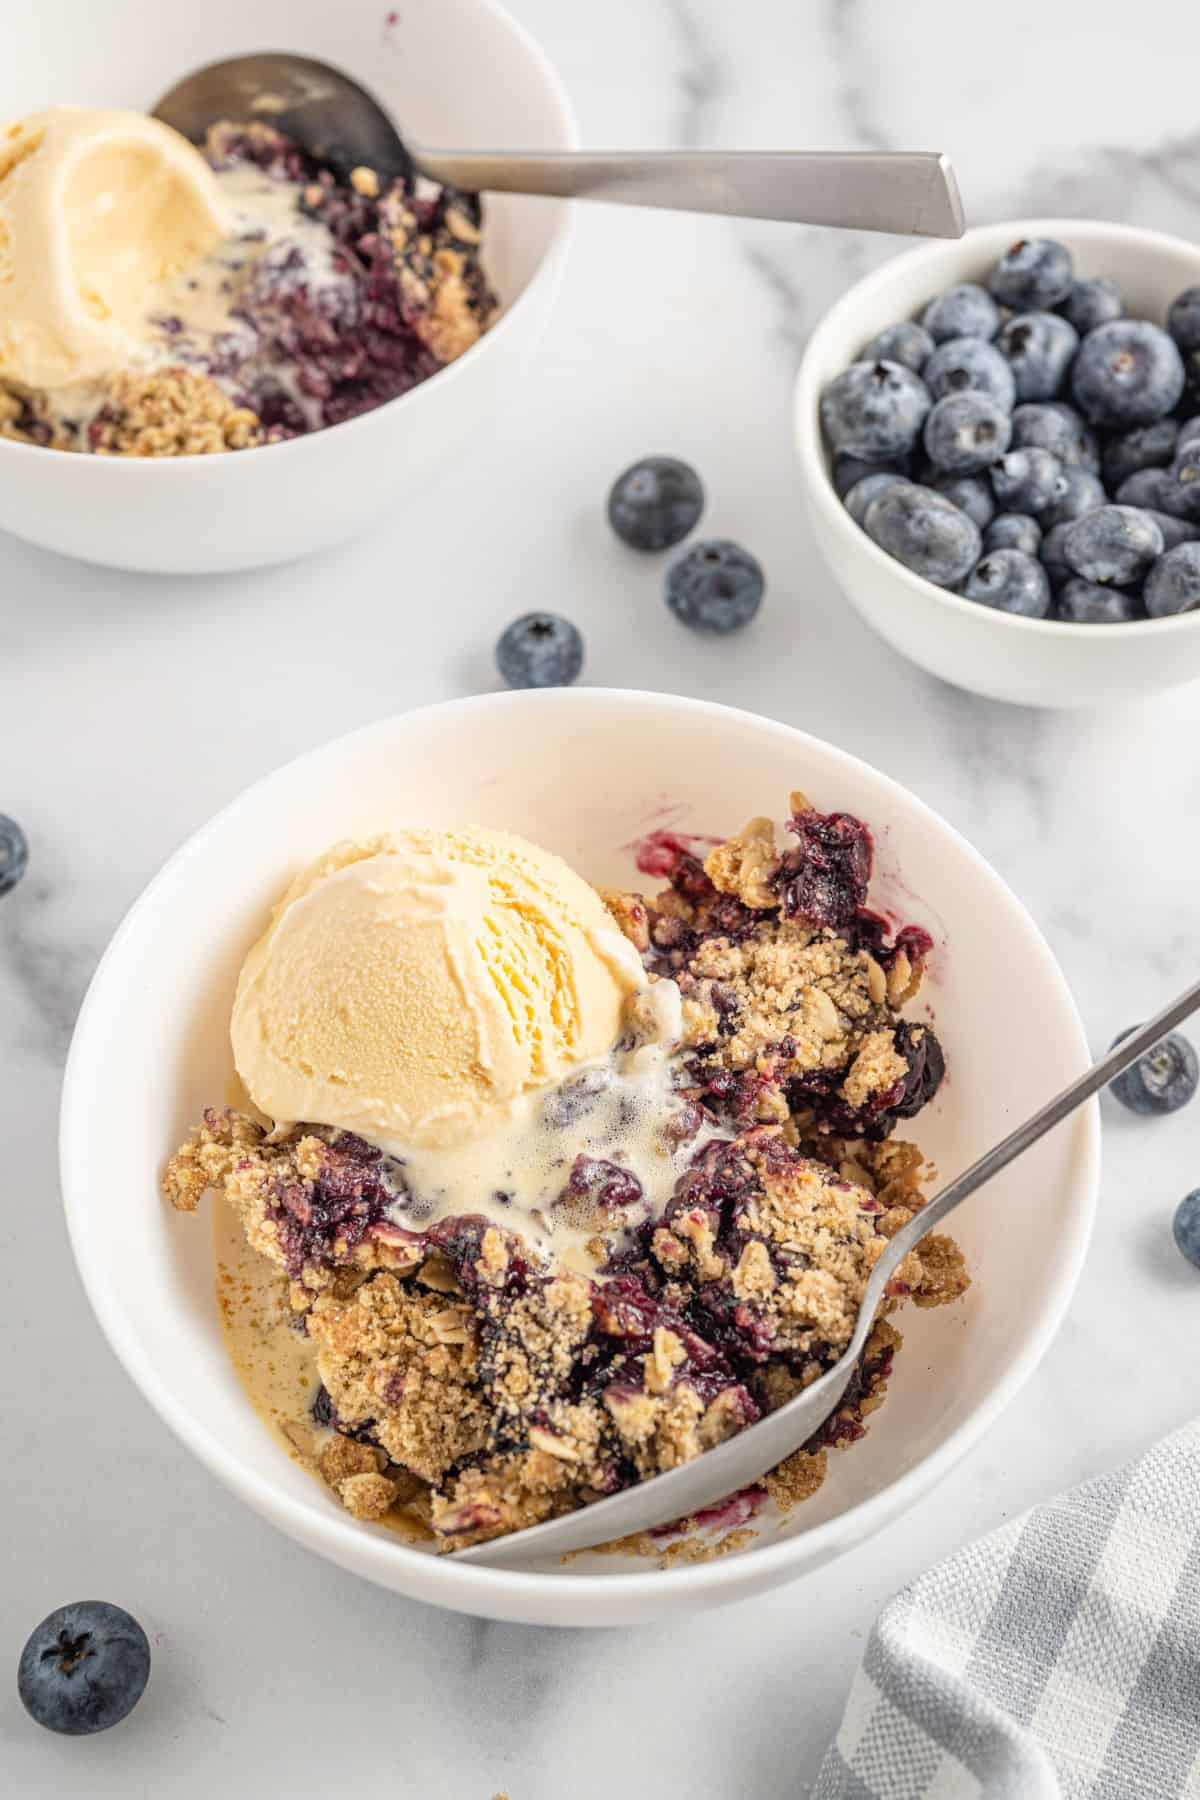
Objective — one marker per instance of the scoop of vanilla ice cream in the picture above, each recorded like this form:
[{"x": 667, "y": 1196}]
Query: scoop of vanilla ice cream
[
  {"x": 412, "y": 987},
  {"x": 96, "y": 207}
]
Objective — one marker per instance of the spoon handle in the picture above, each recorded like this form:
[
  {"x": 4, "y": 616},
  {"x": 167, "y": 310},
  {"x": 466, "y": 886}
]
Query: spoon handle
[
  {"x": 911, "y": 192},
  {"x": 1119, "y": 1058}
]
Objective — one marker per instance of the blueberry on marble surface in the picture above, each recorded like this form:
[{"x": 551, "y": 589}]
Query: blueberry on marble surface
[
  {"x": 1183, "y": 319},
  {"x": 1010, "y": 581},
  {"x": 970, "y": 493},
  {"x": 539, "y": 650},
  {"x": 1082, "y": 492},
  {"x": 1038, "y": 347},
  {"x": 1146, "y": 447},
  {"x": 965, "y": 433},
  {"x": 1080, "y": 602},
  {"x": 655, "y": 503},
  {"x": 874, "y": 410},
  {"x": 966, "y": 363},
  {"x": 863, "y": 492},
  {"x": 1033, "y": 274},
  {"x": 848, "y": 470},
  {"x": 1028, "y": 481},
  {"x": 1113, "y": 545},
  {"x": 14, "y": 853},
  {"x": 905, "y": 342},
  {"x": 1054, "y": 426},
  {"x": 1162, "y": 1081},
  {"x": 1186, "y": 1226},
  {"x": 84, "y": 1668},
  {"x": 717, "y": 587},
  {"x": 1173, "y": 584},
  {"x": 966, "y": 310},
  {"x": 925, "y": 531},
  {"x": 1093, "y": 302},
  {"x": 1013, "y": 531},
  {"x": 1127, "y": 373}
]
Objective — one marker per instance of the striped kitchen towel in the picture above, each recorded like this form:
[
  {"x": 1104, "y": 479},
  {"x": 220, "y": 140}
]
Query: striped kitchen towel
[{"x": 1057, "y": 1659}]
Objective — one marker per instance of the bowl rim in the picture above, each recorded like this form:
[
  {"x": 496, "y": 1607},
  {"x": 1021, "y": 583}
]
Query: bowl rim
[
  {"x": 471, "y": 1586},
  {"x": 548, "y": 265},
  {"x": 817, "y": 463}
]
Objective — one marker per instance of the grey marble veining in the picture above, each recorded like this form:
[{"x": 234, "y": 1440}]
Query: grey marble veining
[{"x": 132, "y": 708}]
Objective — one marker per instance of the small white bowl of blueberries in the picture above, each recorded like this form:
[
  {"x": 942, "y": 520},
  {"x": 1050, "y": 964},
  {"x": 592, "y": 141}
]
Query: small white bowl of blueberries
[{"x": 1000, "y": 445}]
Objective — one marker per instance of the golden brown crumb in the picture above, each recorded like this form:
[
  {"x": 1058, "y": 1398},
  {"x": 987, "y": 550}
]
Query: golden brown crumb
[
  {"x": 173, "y": 412},
  {"x": 746, "y": 864},
  {"x": 943, "y": 1272},
  {"x": 367, "y": 1496},
  {"x": 797, "y": 1478},
  {"x": 629, "y": 911},
  {"x": 365, "y": 181}
]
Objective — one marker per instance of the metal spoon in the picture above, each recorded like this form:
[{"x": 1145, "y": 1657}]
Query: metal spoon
[
  {"x": 744, "y": 1459},
  {"x": 334, "y": 118}
]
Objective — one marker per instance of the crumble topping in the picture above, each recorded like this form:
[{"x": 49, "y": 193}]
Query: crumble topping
[
  {"x": 470, "y": 1379},
  {"x": 171, "y": 412}
]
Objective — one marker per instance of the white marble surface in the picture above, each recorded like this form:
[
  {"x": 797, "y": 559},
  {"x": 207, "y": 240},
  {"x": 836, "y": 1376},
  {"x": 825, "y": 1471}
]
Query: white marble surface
[{"x": 133, "y": 707}]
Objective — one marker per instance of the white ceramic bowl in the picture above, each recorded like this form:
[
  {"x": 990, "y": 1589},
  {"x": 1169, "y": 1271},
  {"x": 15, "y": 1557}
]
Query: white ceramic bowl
[
  {"x": 583, "y": 772},
  {"x": 1034, "y": 662},
  {"x": 456, "y": 74}
]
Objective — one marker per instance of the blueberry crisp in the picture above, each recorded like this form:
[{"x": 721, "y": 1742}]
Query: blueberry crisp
[
  {"x": 471, "y": 1375},
  {"x": 331, "y": 295}
]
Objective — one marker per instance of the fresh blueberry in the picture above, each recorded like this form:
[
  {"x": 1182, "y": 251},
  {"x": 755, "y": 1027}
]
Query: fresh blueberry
[
  {"x": 907, "y": 343},
  {"x": 1010, "y": 581},
  {"x": 970, "y": 493},
  {"x": 1127, "y": 373},
  {"x": 1148, "y": 447},
  {"x": 1162, "y": 1081},
  {"x": 965, "y": 433},
  {"x": 716, "y": 587},
  {"x": 1186, "y": 1226},
  {"x": 1175, "y": 531},
  {"x": 874, "y": 410},
  {"x": 539, "y": 650},
  {"x": 1183, "y": 320},
  {"x": 1058, "y": 569},
  {"x": 963, "y": 311},
  {"x": 1173, "y": 584},
  {"x": 1185, "y": 473},
  {"x": 1113, "y": 545},
  {"x": 1084, "y": 493},
  {"x": 864, "y": 491},
  {"x": 1081, "y": 602},
  {"x": 84, "y": 1668},
  {"x": 1155, "y": 490},
  {"x": 1028, "y": 481},
  {"x": 1189, "y": 433},
  {"x": 1013, "y": 531},
  {"x": 925, "y": 531},
  {"x": 1091, "y": 303},
  {"x": 1052, "y": 425},
  {"x": 970, "y": 363},
  {"x": 1033, "y": 274},
  {"x": 655, "y": 503},
  {"x": 849, "y": 470},
  {"x": 1039, "y": 347},
  {"x": 14, "y": 853}
]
